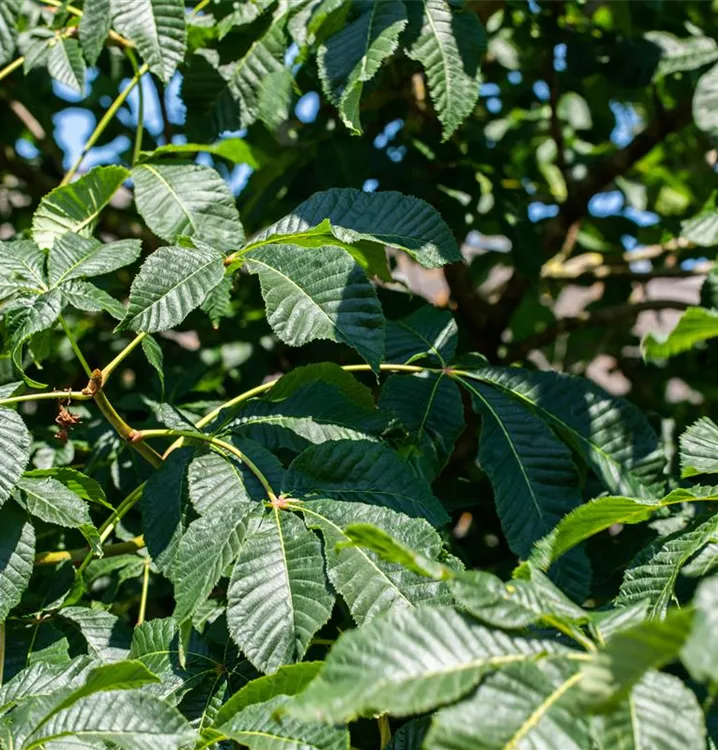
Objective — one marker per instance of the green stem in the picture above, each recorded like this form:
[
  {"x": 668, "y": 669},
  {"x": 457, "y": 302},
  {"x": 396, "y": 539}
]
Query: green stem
[
  {"x": 107, "y": 371},
  {"x": 142, "y": 434},
  {"x": 75, "y": 555},
  {"x": 58, "y": 395},
  {"x": 384, "y": 731},
  {"x": 75, "y": 347},
  {"x": 102, "y": 124},
  {"x": 140, "y": 111},
  {"x": 200, "y": 5},
  {"x": 145, "y": 589},
  {"x": 11, "y": 66},
  {"x": 124, "y": 430}
]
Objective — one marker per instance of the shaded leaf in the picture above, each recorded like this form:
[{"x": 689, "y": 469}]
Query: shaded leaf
[
  {"x": 17, "y": 552},
  {"x": 15, "y": 440},
  {"x": 428, "y": 333}
]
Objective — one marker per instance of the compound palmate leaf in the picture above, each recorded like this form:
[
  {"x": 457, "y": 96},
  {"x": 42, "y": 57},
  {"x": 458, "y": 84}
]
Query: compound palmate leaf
[
  {"x": 409, "y": 662},
  {"x": 172, "y": 282},
  {"x": 319, "y": 294},
  {"x": 278, "y": 594}
]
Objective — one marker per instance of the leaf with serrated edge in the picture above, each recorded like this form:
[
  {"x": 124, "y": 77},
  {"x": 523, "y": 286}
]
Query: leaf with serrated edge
[
  {"x": 75, "y": 207},
  {"x": 699, "y": 448},
  {"x": 108, "y": 638},
  {"x": 75, "y": 257},
  {"x": 278, "y": 595},
  {"x": 17, "y": 552},
  {"x": 15, "y": 440},
  {"x": 94, "y": 28}
]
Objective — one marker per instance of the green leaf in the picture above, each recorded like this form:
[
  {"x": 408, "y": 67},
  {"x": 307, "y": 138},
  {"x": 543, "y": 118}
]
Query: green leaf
[
  {"x": 661, "y": 713},
  {"x": 602, "y": 513},
  {"x": 702, "y": 230},
  {"x": 697, "y": 324},
  {"x": 15, "y": 441},
  {"x": 312, "y": 414},
  {"x": 705, "y": 102},
  {"x": 17, "y": 553},
  {"x": 365, "y": 472},
  {"x": 449, "y": 46},
  {"x": 615, "y": 668},
  {"x": 532, "y": 473},
  {"x": 236, "y": 150},
  {"x": 699, "y": 448},
  {"x": 108, "y": 638},
  {"x": 288, "y": 680},
  {"x": 75, "y": 257},
  {"x": 430, "y": 407},
  {"x": 368, "y": 584},
  {"x": 154, "y": 355},
  {"x": 278, "y": 595},
  {"x": 523, "y": 705},
  {"x": 410, "y": 736},
  {"x": 158, "y": 29},
  {"x": 94, "y": 28},
  {"x": 75, "y": 207},
  {"x": 611, "y": 434},
  {"x": 652, "y": 576},
  {"x": 353, "y": 56},
  {"x": 50, "y": 500},
  {"x": 218, "y": 303},
  {"x": 9, "y": 14},
  {"x": 428, "y": 333},
  {"x": 258, "y": 727},
  {"x": 82, "y": 295},
  {"x": 128, "y": 718},
  {"x": 386, "y": 217},
  {"x": 678, "y": 55},
  {"x": 700, "y": 652},
  {"x": 42, "y": 679},
  {"x": 22, "y": 262},
  {"x": 409, "y": 661},
  {"x": 163, "y": 508},
  {"x": 189, "y": 200},
  {"x": 208, "y": 547},
  {"x": 515, "y": 604},
  {"x": 233, "y": 96},
  {"x": 319, "y": 294},
  {"x": 66, "y": 64},
  {"x": 172, "y": 282}
]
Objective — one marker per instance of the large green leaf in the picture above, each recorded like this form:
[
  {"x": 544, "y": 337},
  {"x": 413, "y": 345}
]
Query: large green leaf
[
  {"x": 158, "y": 29},
  {"x": 319, "y": 294},
  {"x": 50, "y": 500},
  {"x": 15, "y": 441},
  {"x": 534, "y": 479},
  {"x": 603, "y": 512},
  {"x": 187, "y": 199},
  {"x": 353, "y": 56},
  {"x": 387, "y": 217},
  {"x": 311, "y": 414},
  {"x": 66, "y": 64},
  {"x": 365, "y": 472},
  {"x": 9, "y": 14},
  {"x": 132, "y": 719},
  {"x": 208, "y": 547},
  {"x": 611, "y": 434},
  {"x": 82, "y": 295},
  {"x": 278, "y": 595},
  {"x": 108, "y": 638},
  {"x": 75, "y": 257},
  {"x": 449, "y": 45},
  {"x": 232, "y": 96},
  {"x": 428, "y": 333},
  {"x": 17, "y": 552},
  {"x": 430, "y": 407},
  {"x": 705, "y": 101},
  {"x": 612, "y": 671},
  {"x": 94, "y": 28},
  {"x": 236, "y": 150},
  {"x": 368, "y": 584},
  {"x": 652, "y": 576},
  {"x": 697, "y": 324},
  {"x": 164, "y": 501},
  {"x": 409, "y": 661},
  {"x": 699, "y": 448},
  {"x": 75, "y": 207},
  {"x": 660, "y": 714},
  {"x": 172, "y": 282},
  {"x": 523, "y": 705}
]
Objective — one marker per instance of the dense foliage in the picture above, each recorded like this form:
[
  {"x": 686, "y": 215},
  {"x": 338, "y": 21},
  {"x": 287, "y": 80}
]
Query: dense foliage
[{"x": 299, "y": 445}]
